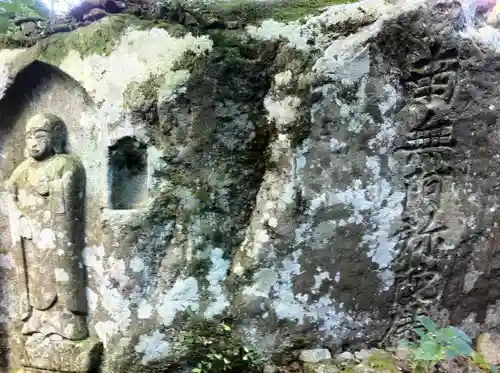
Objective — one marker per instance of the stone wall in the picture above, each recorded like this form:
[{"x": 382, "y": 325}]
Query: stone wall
[{"x": 317, "y": 183}]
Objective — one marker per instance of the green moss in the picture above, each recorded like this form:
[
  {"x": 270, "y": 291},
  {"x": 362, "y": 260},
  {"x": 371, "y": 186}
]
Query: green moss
[
  {"x": 13, "y": 40},
  {"x": 248, "y": 11},
  {"x": 298, "y": 9},
  {"x": 140, "y": 96},
  {"x": 383, "y": 361},
  {"x": 189, "y": 61},
  {"x": 199, "y": 268},
  {"x": 99, "y": 38},
  {"x": 176, "y": 30}
]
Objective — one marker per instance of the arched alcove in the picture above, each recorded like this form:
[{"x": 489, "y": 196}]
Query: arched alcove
[{"x": 39, "y": 87}]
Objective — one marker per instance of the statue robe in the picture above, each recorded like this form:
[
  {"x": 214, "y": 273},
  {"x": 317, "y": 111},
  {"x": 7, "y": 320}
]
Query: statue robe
[{"x": 49, "y": 264}]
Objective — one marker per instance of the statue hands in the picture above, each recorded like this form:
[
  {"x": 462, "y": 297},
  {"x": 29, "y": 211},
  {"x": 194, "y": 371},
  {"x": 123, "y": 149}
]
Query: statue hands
[
  {"x": 43, "y": 186},
  {"x": 42, "y": 189},
  {"x": 24, "y": 228}
]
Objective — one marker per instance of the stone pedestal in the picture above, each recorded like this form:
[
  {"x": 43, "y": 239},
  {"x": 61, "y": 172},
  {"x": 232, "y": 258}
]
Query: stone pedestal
[{"x": 61, "y": 355}]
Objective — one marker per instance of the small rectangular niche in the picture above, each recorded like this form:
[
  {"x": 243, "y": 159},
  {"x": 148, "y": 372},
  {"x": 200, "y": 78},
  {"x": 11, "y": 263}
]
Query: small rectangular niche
[{"x": 127, "y": 174}]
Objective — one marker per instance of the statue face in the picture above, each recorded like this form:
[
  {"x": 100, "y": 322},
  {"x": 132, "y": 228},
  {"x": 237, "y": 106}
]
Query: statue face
[{"x": 39, "y": 144}]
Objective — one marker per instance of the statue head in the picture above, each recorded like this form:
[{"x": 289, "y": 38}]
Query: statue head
[{"x": 45, "y": 136}]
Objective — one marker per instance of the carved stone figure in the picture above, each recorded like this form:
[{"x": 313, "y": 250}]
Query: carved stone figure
[{"x": 46, "y": 220}]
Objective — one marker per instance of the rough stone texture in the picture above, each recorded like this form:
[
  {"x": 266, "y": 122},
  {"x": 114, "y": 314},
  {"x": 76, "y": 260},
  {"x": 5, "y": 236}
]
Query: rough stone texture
[
  {"x": 313, "y": 356},
  {"x": 488, "y": 344},
  {"x": 318, "y": 183},
  {"x": 63, "y": 356}
]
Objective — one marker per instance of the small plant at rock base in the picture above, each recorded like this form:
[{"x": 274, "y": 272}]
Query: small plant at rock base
[
  {"x": 435, "y": 345},
  {"x": 214, "y": 348}
]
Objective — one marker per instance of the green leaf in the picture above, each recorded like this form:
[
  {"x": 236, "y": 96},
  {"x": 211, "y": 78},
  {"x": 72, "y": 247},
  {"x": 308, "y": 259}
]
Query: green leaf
[
  {"x": 196, "y": 370},
  {"x": 420, "y": 332},
  {"x": 451, "y": 354},
  {"x": 427, "y": 337},
  {"x": 460, "y": 334},
  {"x": 444, "y": 336},
  {"x": 429, "y": 350},
  {"x": 406, "y": 343},
  {"x": 494, "y": 369},
  {"x": 462, "y": 347},
  {"x": 428, "y": 324}
]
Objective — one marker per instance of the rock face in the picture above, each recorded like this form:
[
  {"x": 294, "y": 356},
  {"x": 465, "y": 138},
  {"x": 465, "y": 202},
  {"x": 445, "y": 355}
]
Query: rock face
[{"x": 314, "y": 184}]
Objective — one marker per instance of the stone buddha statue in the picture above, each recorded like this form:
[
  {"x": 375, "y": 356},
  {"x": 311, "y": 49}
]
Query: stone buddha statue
[{"x": 47, "y": 226}]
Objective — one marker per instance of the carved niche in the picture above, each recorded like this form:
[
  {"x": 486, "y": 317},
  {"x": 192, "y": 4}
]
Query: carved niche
[{"x": 127, "y": 174}]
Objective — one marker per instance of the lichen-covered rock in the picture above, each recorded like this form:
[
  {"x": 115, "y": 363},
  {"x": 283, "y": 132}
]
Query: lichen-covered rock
[
  {"x": 316, "y": 355},
  {"x": 488, "y": 344},
  {"x": 321, "y": 367},
  {"x": 312, "y": 184}
]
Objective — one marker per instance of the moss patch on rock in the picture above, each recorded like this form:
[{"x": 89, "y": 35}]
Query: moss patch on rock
[
  {"x": 98, "y": 38},
  {"x": 383, "y": 361},
  {"x": 200, "y": 268},
  {"x": 248, "y": 11},
  {"x": 241, "y": 70},
  {"x": 322, "y": 366},
  {"x": 10, "y": 42},
  {"x": 141, "y": 96}
]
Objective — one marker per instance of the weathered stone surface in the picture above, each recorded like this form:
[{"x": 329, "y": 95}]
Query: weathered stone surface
[
  {"x": 345, "y": 356},
  {"x": 316, "y": 355},
  {"x": 63, "y": 355},
  {"x": 318, "y": 183},
  {"x": 488, "y": 344},
  {"x": 323, "y": 367}
]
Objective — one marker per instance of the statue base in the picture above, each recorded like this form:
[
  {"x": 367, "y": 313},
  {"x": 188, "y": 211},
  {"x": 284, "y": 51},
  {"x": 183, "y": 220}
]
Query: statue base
[{"x": 46, "y": 354}]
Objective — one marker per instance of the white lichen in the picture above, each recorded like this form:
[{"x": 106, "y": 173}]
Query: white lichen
[
  {"x": 282, "y": 111},
  {"x": 8, "y": 58},
  {"x": 143, "y": 52},
  {"x": 270, "y": 29},
  {"x": 215, "y": 277},
  {"x": 152, "y": 346},
  {"x": 184, "y": 293}
]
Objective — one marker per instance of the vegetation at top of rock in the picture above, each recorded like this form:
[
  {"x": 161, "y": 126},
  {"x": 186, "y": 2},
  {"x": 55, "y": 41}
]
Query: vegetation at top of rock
[
  {"x": 99, "y": 37},
  {"x": 11, "y": 9},
  {"x": 251, "y": 11},
  {"x": 437, "y": 345},
  {"x": 214, "y": 347},
  {"x": 197, "y": 17}
]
